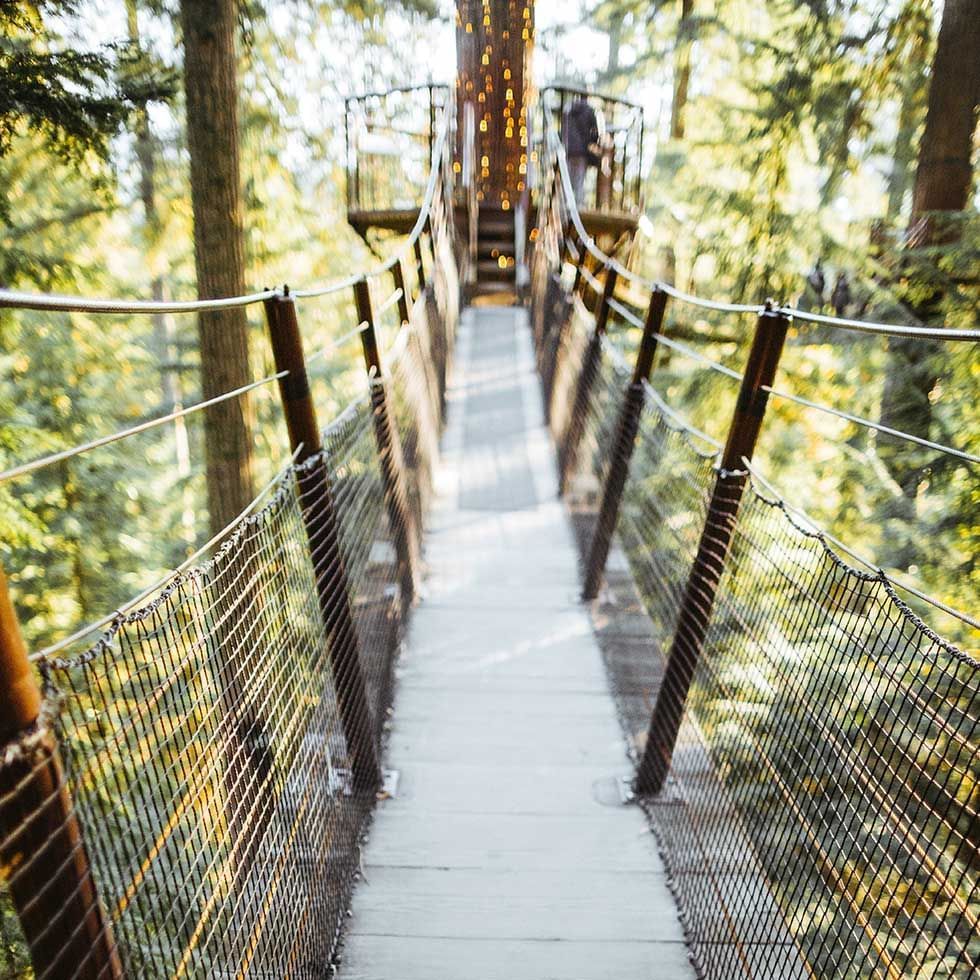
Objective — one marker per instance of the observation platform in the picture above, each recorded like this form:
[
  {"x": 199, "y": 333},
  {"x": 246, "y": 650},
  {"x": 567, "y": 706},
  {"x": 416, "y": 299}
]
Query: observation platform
[{"x": 506, "y": 852}]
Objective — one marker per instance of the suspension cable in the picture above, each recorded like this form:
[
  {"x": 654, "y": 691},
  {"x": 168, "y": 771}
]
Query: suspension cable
[
  {"x": 868, "y": 423},
  {"x": 630, "y": 317},
  {"x": 37, "y": 464}
]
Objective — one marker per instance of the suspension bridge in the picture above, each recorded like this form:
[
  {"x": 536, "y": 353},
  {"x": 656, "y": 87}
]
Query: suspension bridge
[{"x": 511, "y": 671}]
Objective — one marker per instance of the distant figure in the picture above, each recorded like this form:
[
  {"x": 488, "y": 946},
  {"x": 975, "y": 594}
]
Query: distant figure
[
  {"x": 841, "y": 297},
  {"x": 581, "y": 144},
  {"x": 815, "y": 280}
]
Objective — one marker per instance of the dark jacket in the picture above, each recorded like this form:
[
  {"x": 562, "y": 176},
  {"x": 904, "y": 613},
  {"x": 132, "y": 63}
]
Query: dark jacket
[{"x": 581, "y": 130}]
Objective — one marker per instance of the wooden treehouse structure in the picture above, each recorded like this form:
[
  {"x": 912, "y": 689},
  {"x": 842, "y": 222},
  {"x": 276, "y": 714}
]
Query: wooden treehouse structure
[{"x": 498, "y": 136}]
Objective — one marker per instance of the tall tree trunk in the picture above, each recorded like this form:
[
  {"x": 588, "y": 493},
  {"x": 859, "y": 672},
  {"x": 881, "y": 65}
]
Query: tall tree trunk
[
  {"x": 916, "y": 20},
  {"x": 210, "y": 81},
  {"x": 942, "y": 187},
  {"x": 945, "y": 172},
  {"x": 682, "y": 70},
  {"x": 163, "y": 327}
]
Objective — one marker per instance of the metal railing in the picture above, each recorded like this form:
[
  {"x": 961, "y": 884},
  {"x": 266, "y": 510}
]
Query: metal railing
[
  {"x": 184, "y": 781},
  {"x": 616, "y": 184},
  {"x": 806, "y": 744},
  {"x": 389, "y": 140}
]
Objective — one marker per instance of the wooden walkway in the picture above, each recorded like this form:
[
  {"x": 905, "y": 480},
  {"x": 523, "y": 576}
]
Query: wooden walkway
[{"x": 497, "y": 860}]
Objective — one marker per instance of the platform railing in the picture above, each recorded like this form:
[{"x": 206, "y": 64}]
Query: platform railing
[
  {"x": 184, "y": 782},
  {"x": 806, "y": 745}
]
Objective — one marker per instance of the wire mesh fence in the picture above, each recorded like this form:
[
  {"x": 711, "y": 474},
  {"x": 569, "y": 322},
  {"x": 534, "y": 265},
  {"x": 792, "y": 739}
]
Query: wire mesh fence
[
  {"x": 192, "y": 799},
  {"x": 820, "y": 816}
]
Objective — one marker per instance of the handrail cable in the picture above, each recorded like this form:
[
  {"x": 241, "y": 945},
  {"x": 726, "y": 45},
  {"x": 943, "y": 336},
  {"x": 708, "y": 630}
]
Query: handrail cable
[
  {"x": 898, "y": 581},
  {"x": 630, "y": 317},
  {"x": 883, "y": 329},
  {"x": 57, "y": 647},
  {"x": 54, "y": 303},
  {"x": 877, "y": 426},
  {"x": 43, "y": 461},
  {"x": 635, "y": 321},
  {"x": 79, "y": 304}
]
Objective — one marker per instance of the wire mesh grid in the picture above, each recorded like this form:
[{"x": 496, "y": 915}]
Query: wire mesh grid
[
  {"x": 202, "y": 751},
  {"x": 210, "y": 755},
  {"x": 820, "y": 818}
]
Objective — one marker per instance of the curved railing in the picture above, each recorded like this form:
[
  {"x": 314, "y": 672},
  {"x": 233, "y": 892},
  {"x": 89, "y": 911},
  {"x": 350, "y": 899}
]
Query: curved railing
[{"x": 805, "y": 742}]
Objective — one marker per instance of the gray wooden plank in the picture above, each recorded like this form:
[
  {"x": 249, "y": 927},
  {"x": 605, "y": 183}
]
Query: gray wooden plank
[
  {"x": 497, "y": 858},
  {"x": 442, "y": 958}
]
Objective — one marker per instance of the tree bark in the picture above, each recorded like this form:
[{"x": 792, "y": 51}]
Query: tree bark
[
  {"x": 210, "y": 81},
  {"x": 944, "y": 174},
  {"x": 942, "y": 187},
  {"x": 682, "y": 70}
]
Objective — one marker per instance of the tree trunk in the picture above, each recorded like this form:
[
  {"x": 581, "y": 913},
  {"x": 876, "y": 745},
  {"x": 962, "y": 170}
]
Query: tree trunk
[
  {"x": 163, "y": 327},
  {"x": 682, "y": 70},
  {"x": 210, "y": 70},
  {"x": 916, "y": 21},
  {"x": 942, "y": 185},
  {"x": 944, "y": 175}
]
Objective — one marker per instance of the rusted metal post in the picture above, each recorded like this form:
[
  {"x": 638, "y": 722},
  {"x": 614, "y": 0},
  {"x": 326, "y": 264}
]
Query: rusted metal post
[
  {"x": 627, "y": 427},
  {"x": 389, "y": 449},
  {"x": 323, "y": 533},
  {"x": 42, "y": 852},
  {"x": 568, "y": 454},
  {"x": 713, "y": 548}
]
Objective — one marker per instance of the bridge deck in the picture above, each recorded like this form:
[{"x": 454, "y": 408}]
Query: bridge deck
[{"x": 497, "y": 860}]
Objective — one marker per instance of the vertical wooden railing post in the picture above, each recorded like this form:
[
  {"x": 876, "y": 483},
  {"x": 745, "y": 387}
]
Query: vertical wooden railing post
[
  {"x": 568, "y": 455},
  {"x": 716, "y": 537},
  {"x": 419, "y": 264},
  {"x": 389, "y": 449},
  {"x": 399, "y": 277},
  {"x": 621, "y": 450},
  {"x": 323, "y": 533},
  {"x": 42, "y": 851}
]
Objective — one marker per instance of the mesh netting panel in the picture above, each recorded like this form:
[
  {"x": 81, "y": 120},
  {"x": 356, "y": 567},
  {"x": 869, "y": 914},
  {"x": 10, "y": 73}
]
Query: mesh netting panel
[
  {"x": 820, "y": 816},
  {"x": 835, "y": 734},
  {"x": 202, "y": 748},
  {"x": 585, "y": 402},
  {"x": 368, "y": 550},
  {"x": 416, "y": 410}
]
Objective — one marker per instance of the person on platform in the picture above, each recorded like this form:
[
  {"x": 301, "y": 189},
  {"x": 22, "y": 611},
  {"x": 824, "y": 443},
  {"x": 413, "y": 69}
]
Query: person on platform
[{"x": 581, "y": 144}]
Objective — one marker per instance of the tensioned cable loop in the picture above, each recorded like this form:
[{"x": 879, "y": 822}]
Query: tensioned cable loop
[
  {"x": 37, "y": 464},
  {"x": 890, "y": 576},
  {"x": 869, "y": 424}
]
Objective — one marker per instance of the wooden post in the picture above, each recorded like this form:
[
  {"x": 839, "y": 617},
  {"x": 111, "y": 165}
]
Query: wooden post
[
  {"x": 716, "y": 537},
  {"x": 389, "y": 448},
  {"x": 419, "y": 264},
  {"x": 568, "y": 454},
  {"x": 42, "y": 852},
  {"x": 322, "y": 531},
  {"x": 399, "y": 276},
  {"x": 622, "y": 447}
]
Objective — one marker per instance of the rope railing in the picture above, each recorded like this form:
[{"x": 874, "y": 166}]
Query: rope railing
[
  {"x": 805, "y": 741},
  {"x": 184, "y": 781}
]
